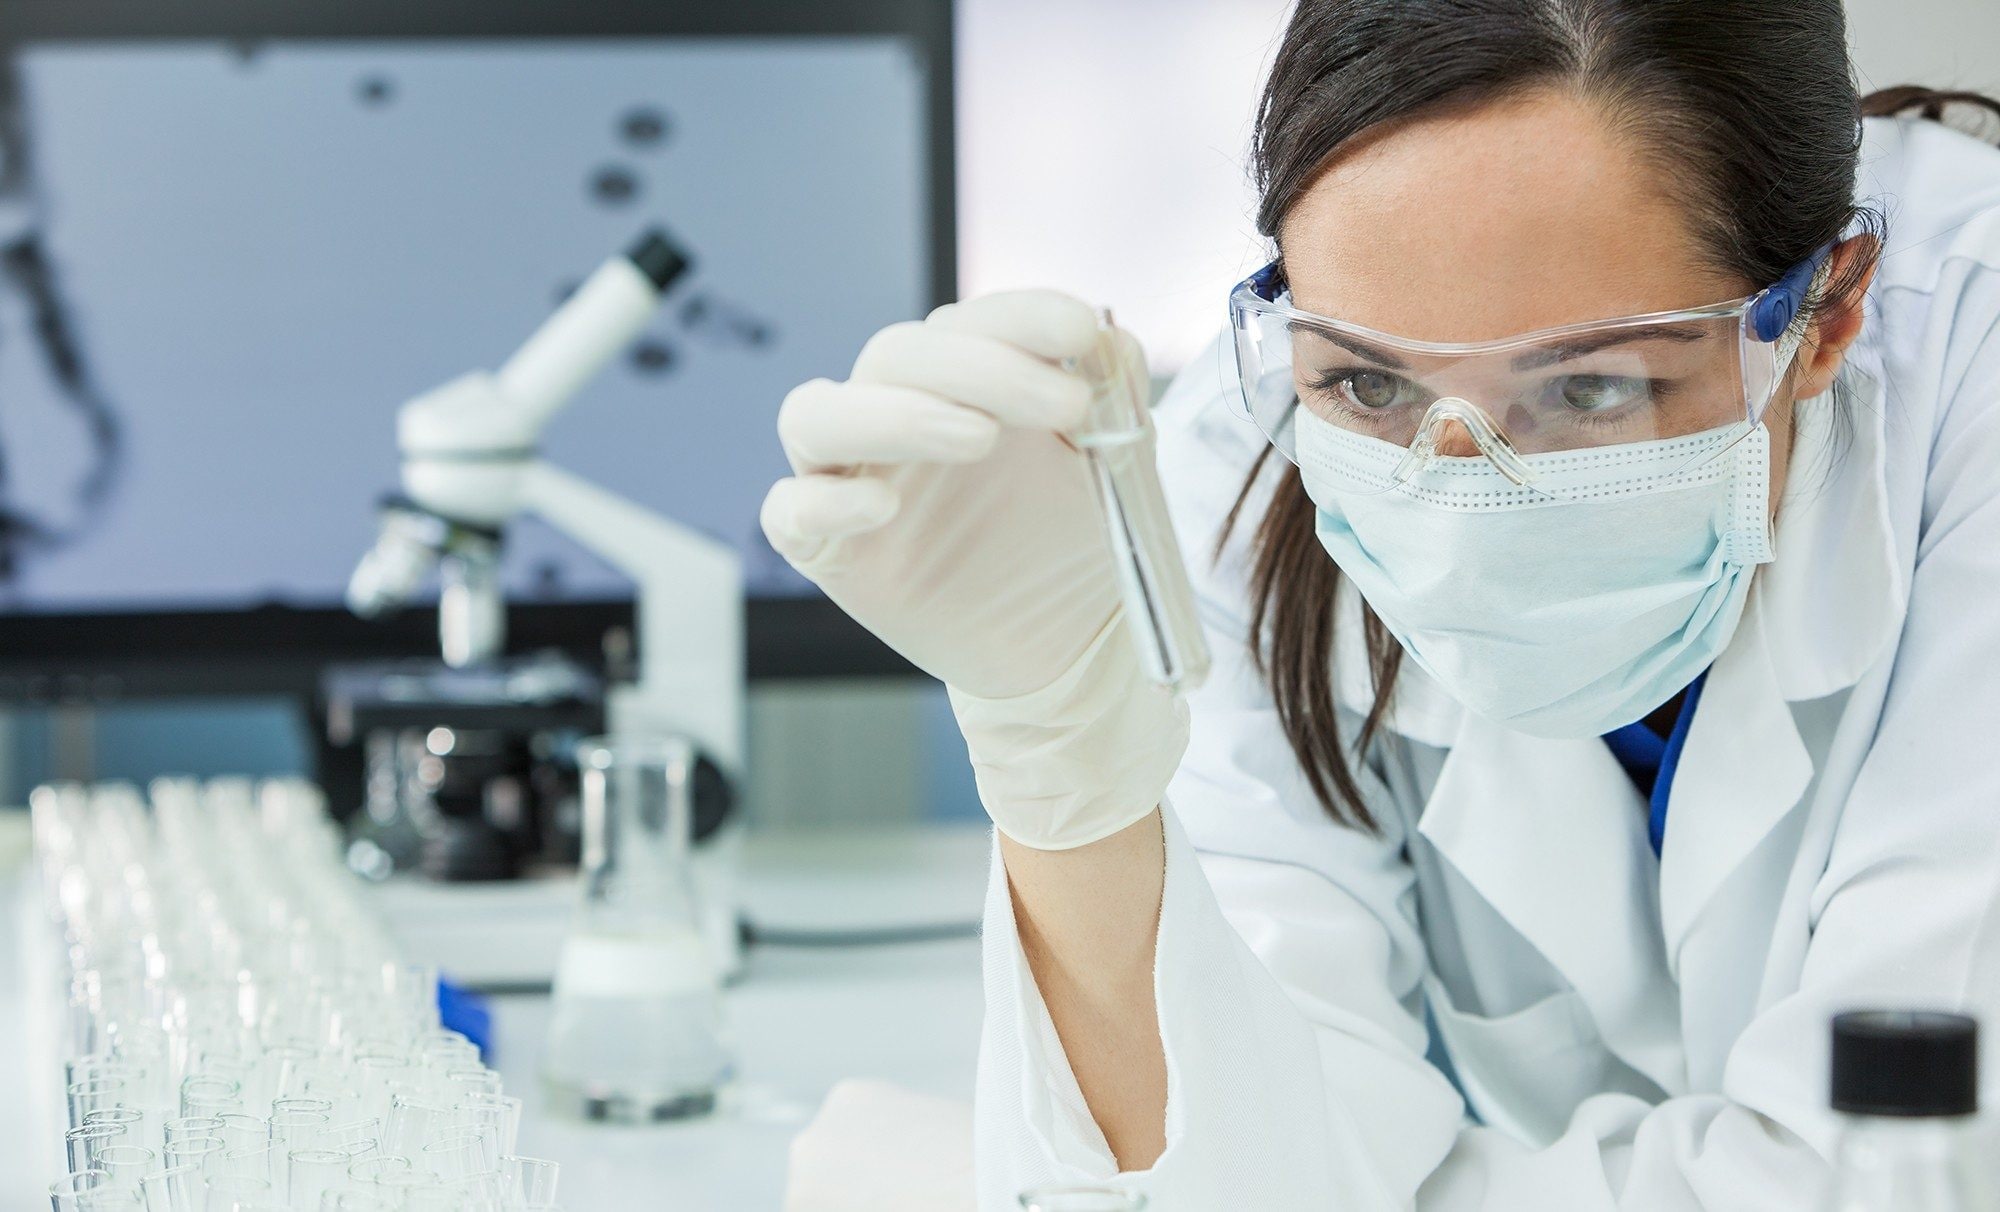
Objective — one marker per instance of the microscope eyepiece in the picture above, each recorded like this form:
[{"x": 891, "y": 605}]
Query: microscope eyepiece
[{"x": 659, "y": 259}]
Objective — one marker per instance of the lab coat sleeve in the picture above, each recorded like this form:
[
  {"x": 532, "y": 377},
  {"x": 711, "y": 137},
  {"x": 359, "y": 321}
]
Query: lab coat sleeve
[{"x": 1287, "y": 957}]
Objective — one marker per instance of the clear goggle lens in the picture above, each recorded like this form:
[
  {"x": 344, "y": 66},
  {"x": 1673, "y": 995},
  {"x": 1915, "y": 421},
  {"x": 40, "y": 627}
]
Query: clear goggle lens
[{"x": 1688, "y": 383}]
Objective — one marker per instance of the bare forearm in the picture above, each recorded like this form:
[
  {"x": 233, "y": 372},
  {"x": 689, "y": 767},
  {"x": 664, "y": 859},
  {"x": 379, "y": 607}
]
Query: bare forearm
[{"x": 1087, "y": 919}]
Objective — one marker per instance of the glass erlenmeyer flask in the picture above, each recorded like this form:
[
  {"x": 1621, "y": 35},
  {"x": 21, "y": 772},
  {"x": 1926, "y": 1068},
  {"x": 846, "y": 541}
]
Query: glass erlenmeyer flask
[{"x": 637, "y": 1031}]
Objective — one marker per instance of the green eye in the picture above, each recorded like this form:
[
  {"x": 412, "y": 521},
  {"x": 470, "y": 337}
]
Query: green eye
[
  {"x": 1374, "y": 390},
  {"x": 1601, "y": 393},
  {"x": 1362, "y": 394}
]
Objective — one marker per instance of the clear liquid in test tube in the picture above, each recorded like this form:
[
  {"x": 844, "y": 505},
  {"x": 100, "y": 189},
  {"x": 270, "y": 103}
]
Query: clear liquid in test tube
[{"x": 1117, "y": 437}]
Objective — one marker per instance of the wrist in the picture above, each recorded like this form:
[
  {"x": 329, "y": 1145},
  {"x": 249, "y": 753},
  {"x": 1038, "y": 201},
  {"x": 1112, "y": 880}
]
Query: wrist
[
  {"x": 1082, "y": 758},
  {"x": 1099, "y": 901}
]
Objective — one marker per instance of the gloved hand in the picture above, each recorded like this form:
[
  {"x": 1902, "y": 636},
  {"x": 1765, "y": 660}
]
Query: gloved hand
[{"x": 936, "y": 501}]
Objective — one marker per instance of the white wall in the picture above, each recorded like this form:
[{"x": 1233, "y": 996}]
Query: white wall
[
  {"x": 1103, "y": 143},
  {"x": 1102, "y": 151},
  {"x": 1942, "y": 43}
]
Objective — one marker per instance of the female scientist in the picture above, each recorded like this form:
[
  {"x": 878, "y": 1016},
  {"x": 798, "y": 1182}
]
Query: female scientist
[{"x": 1607, "y": 663}]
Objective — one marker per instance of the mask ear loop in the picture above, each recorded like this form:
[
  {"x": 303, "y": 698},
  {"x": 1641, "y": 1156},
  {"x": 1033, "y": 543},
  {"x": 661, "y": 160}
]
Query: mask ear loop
[{"x": 1485, "y": 434}]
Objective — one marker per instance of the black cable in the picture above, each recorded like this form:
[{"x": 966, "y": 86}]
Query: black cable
[
  {"x": 753, "y": 934},
  {"x": 25, "y": 264}
]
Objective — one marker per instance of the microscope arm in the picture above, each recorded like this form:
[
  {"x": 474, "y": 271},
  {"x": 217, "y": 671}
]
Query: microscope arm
[
  {"x": 689, "y": 609},
  {"x": 470, "y": 462}
]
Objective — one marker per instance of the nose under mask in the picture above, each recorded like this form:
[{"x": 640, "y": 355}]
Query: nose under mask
[{"x": 1563, "y": 595}]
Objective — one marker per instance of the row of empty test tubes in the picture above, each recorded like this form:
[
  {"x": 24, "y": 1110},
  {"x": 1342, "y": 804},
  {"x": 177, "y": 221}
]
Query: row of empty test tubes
[{"x": 239, "y": 1035}]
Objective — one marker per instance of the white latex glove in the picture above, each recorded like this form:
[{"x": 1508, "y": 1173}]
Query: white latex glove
[{"x": 937, "y": 502}]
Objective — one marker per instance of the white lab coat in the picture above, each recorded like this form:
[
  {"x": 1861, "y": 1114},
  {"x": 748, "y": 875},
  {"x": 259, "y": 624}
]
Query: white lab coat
[{"x": 1630, "y": 1032}]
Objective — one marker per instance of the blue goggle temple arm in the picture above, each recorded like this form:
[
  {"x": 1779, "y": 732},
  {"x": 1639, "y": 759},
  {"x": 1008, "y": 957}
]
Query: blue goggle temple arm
[
  {"x": 1773, "y": 311},
  {"x": 1269, "y": 282}
]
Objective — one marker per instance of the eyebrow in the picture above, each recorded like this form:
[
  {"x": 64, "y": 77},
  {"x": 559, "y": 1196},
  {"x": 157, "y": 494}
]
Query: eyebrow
[
  {"x": 1568, "y": 350},
  {"x": 1533, "y": 359},
  {"x": 1380, "y": 357}
]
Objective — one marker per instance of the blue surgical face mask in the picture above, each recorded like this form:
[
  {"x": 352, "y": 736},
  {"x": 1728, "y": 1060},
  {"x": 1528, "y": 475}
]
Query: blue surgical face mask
[{"x": 1566, "y": 612}]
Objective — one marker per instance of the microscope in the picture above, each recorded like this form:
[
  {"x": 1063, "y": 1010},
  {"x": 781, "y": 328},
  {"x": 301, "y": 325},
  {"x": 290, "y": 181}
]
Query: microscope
[{"x": 469, "y": 465}]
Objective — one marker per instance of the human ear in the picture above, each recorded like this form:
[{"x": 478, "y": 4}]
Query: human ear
[{"x": 1834, "y": 329}]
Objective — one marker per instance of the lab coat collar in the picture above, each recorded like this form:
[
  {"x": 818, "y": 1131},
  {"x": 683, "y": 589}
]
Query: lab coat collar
[
  {"x": 1743, "y": 768},
  {"x": 1552, "y": 834},
  {"x": 1818, "y": 617}
]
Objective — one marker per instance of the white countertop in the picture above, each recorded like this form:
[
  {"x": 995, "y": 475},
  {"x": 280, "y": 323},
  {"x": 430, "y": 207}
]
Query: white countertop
[
  {"x": 908, "y": 1014},
  {"x": 803, "y": 1019}
]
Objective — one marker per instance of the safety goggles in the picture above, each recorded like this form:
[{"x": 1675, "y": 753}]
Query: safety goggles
[{"x": 1693, "y": 381}]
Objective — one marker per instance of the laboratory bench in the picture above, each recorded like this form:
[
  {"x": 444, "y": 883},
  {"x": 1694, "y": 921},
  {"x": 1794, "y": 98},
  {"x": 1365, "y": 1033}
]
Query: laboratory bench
[{"x": 802, "y": 1017}]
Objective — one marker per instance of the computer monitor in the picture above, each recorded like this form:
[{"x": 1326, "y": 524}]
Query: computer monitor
[{"x": 236, "y": 236}]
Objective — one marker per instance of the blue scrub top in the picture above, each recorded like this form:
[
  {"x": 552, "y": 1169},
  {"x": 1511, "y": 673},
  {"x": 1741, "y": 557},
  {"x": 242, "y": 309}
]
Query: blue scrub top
[{"x": 1651, "y": 759}]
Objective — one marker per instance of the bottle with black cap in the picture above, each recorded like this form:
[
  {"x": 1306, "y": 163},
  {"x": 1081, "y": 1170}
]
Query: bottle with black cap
[{"x": 1907, "y": 1084}]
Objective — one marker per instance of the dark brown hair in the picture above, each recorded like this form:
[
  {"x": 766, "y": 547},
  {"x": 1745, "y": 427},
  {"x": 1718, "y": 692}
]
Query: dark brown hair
[{"x": 1749, "y": 108}]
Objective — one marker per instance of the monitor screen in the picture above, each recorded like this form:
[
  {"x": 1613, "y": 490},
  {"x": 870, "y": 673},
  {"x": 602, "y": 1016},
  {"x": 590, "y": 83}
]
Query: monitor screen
[{"x": 224, "y": 266}]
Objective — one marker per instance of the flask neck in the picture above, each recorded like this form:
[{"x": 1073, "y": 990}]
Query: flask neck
[{"x": 635, "y": 818}]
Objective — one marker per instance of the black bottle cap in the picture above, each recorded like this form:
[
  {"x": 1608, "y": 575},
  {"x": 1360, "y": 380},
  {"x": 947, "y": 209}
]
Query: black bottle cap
[
  {"x": 1905, "y": 1063},
  {"x": 658, "y": 258}
]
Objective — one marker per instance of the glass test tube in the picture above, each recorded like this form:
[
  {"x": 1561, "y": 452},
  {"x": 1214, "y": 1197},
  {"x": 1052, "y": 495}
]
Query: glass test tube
[
  {"x": 531, "y": 1181},
  {"x": 67, "y": 1194},
  {"x": 1117, "y": 437}
]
